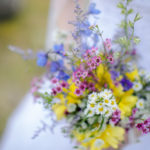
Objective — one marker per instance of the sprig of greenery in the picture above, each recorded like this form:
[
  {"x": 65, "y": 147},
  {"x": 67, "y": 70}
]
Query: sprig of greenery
[
  {"x": 129, "y": 38},
  {"x": 47, "y": 99}
]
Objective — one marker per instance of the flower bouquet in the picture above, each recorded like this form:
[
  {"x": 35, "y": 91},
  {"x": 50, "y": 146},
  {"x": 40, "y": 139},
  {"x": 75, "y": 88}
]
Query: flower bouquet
[{"x": 96, "y": 86}]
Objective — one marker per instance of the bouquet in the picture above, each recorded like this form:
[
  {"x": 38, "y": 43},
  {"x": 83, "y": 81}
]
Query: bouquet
[{"x": 96, "y": 86}]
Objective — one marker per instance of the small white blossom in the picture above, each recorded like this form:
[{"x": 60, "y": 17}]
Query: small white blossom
[
  {"x": 102, "y": 103},
  {"x": 91, "y": 120},
  {"x": 137, "y": 86},
  {"x": 71, "y": 108},
  {"x": 140, "y": 104},
  {"x": 84, "y": 125},
  {"x": 98, "y": 143}
]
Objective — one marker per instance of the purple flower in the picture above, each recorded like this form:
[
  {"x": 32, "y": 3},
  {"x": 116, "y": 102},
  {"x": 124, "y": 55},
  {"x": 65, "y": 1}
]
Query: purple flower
[
  {"x": 56, "y": 66},
  {"x": 114, "y": 74},
  {"x": 92, "y": 9},
  {"x": 42, "y": 59},
  {"x": 127, "y": 84}
]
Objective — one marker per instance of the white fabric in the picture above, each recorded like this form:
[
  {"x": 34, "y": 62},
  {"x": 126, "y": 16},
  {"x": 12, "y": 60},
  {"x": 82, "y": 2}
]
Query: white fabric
[{"x": 26, "y": 118}]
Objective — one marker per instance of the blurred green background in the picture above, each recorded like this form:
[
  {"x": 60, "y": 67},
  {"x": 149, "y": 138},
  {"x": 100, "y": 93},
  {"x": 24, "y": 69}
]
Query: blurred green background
[{"x": 26, "y": 29}]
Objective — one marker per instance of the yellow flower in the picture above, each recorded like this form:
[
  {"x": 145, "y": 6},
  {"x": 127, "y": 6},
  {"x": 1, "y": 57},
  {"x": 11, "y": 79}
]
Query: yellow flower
[
  {"x": 110, "y": 137},
  {"x": 133, "y": 75},
  {"x": 59, "y": 110},
  {"x": 125, "y": 100}
]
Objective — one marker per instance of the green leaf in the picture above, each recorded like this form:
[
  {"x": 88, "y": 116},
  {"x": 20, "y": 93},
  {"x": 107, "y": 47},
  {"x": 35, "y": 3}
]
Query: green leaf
[
  {"x": 122, "y": 41},
  {"x": 137, "y": 17},
  {"x": 120, "y": 5},
  {"x": 122, "y": 25},
  {"x": 130, "y": 11},
  {"x": 136, "y": 40},
  {"x": 131, "y": 24}
]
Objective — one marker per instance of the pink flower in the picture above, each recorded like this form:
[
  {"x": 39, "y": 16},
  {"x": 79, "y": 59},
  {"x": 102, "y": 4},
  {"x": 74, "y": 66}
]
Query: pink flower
[
  {"x": 133, "y": 52},
  {"x": 134, "y": 111},
  {"x": 114, "y": 120},
  {"x": 84, "y": 74},
  {"x": 78, "y": 92},
  {"x": 82, "y": 87},
  {"x": 77, "y": 82},
  {"x": 34, "y": 89},
  {"x": 110, "y": 59},
  {"x": 59, "y": 89},
  {"x": 117, "y": 113},
  {"x": 98, "y": 60},
  {"x": 107, "y": 44},
  {"x": 64, "y": 84},
  {"x": 92, "y": 64},
  {"x": 139, "y": 126},
  {"x": 54, "y": 92},
  {"x": 54, "y": 80}
]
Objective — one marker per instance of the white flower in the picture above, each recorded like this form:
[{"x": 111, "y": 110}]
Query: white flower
[
  {"x": 84, "y": 125},
  {"x": 142, "y": 72},
  {"x": 71, "y": 108},
  {"x": 93, "y": 97},
  {"x": 98, "y": 143},
  {"x": 147, "y": 78},
  {"x": 89, "y": 112},
  {"x": 91, "y": 120},
  {"x": 100, "y": 110},
  {"x": 102, "y": 103},
  {"x": 140, "y": 104},
  {"x": 108, "y": 112},
  {"x": 137, "y": 86}
]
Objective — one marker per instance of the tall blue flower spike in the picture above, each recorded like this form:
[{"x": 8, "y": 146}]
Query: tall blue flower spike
[
  {"x": 42, "y": 58},
  {"x": 92, "y": 9}
]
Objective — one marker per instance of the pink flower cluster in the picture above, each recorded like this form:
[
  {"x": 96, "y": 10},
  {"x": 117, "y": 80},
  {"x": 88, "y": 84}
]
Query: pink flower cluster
[
  {"x": 116, "y": 117},
  {"x": 108, "y": 44},
  {"x": 35, "y": 85},
  {"x": 144, "y": 126},
  {"x": 132, "y": 117},
  {"x": 58, "y": 86},
  {"x": 83, "y": 86}
]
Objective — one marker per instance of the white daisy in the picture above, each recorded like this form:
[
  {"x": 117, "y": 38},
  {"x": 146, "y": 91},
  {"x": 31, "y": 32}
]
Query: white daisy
[
  {"x": 93, "y": 97},
  {"x": 100, "y": 110},
  {"x": 137, "y": 86},
  {"x": 140, "y": 104}
]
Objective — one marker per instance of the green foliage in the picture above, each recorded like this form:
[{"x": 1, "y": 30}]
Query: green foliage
[
  {"x": 47, "y": 99},
  {"x": 137, "y": 17},
  {"x": 136, "y": 40},
  {"x": 128, "y": 39}
]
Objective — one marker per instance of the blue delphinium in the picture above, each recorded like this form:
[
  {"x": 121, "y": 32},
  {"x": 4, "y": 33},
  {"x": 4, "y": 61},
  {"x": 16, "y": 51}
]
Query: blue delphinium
[
  {"x": 58, "y": 48},
  {"x": 56, "y": 66},
  {"x": 82, "y": 30},
  {"x": 127, "y": 84},
  {"x": 42, "y": 58},
  {"x": 92, "y": 9},
  {"x": 63, "y": 76}
]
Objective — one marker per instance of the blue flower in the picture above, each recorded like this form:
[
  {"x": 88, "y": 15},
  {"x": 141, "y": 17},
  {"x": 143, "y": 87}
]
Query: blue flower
[
  {"x": 58, "y": 48},
  {"x": 63, "y": 76},
  {"x": 56, "y": 66},
  {"x": 42, "y": 59},
  {"x": 92, "y": 9},
  {"x": 127, "y": 84}
]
